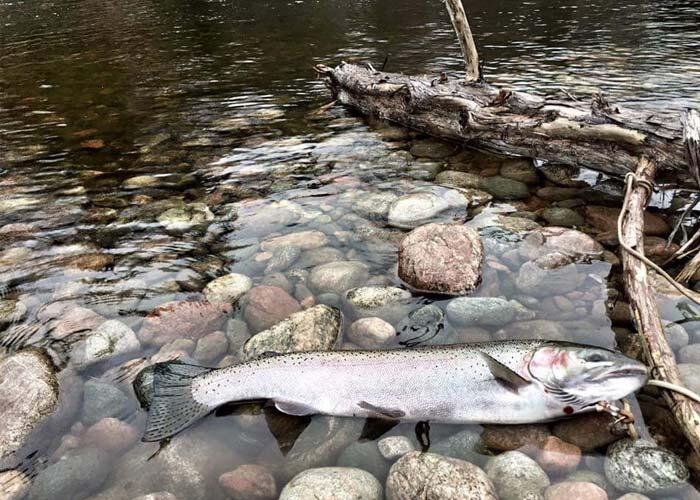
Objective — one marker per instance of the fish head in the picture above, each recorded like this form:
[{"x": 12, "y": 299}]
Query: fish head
[{"x": 580, "y": 376}]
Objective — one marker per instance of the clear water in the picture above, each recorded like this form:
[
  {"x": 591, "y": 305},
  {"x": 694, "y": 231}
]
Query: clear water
[{"x": 218, "y": 101}]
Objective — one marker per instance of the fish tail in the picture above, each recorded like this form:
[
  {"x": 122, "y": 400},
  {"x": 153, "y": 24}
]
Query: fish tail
[{"x": 173, "y": 407}]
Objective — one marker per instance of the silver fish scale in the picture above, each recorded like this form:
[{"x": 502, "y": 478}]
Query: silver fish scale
[{"x": 437, "y": 383}]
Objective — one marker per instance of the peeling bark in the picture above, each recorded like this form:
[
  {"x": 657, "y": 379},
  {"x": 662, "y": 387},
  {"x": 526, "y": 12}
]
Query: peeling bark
[{"x": 597, "y": 135}]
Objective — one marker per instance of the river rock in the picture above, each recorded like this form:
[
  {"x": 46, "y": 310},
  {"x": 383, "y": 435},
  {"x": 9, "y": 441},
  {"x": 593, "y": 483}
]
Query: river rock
[
  {"x": 249, "y": 482},
  {"x": 141, "y": 181},
  {"x": 605, "y": 219},
  {"x": 432, "y": 148},
  {"x": 338, "y": 277},
  {"x": 102, "y": 400},
  {"x": 521, "y": 170},
  {"x": 11, "y": 311},
  {"x": 314, "y": 329},
  {"x": 78, "y": 474},
  {"x": 160, "y": 495},
  {"x": 504, "y": 188},
  {"x": 333, "y": 483},
  {"x": 303, "y": 240},
  {"x": 15, "y": 484},
  {"x": 565, "y": 217},
  {"x": 516, "y": 476},
  {"x": 267, "y": 305},
  {"x": 475, "y": 197},
  {"x": 371, "y": 333},
  {"x": 534, "y": 278},
  {"x": 513, "y": 437},
  {"x": 28, "y": 395},
  {"x": 421, "y": 207},
  {"x": 182, "y": 218},
  {"x": 563, "y": 175},
  {"x": 487, "y": 311},
  {"x": 386, "y": 302},
  {"x": 643, "y": 467},
  {"x": 428, "y": 475},
  {"x": 588, "y": 431},
  {"x": 442, "y": 258},
  {"x": 111, "y": 435},
  {"x": 211, "y": 347},
  {"x": 373, "y": 205},
  {"x": 183, "y": 319},
  {"x": 394, "y": 447},
  {"x": 112, "y": 339},
  {"x": 464, "y": 180},
  {"x": 465, "y": 445},
  {"x": 423, "y": 323},
  {"x": 188, "y": 465},
  {"x": 569, "y": 242},
  {"x": 365, "y": 455},
  {"x": 541, "y": 329},
  {"x": 228, "y": 288},
  {"x": 575, "y": 490},
  {"x": 282, "y": 258},
  {"x": 318, "y": 256},
  {"x": 558, "y": 457}
]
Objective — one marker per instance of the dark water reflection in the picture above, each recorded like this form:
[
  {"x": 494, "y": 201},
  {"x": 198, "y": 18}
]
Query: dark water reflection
[{"x": 211, "y": 107}]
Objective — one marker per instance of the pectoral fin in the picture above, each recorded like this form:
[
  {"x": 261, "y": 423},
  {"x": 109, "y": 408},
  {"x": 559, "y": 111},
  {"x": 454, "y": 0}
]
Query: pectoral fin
[{"x": 504, "y": 375}]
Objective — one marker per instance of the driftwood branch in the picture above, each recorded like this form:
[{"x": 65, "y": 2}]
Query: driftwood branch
[
  {"x": 645, "y": 312},
  {"x": 466, "y": 40},
  {"x": 597, "y": 135},
  {"x": 691, "y": 137}
]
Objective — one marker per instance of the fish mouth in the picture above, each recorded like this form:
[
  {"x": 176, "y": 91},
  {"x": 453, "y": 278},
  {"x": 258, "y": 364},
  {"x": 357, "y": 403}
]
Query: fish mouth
[{"x": 624, "y": 372}]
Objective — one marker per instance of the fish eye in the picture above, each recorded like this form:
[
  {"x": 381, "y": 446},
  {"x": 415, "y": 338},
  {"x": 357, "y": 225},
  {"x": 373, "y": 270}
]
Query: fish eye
[{"x": 596, "y": 357}]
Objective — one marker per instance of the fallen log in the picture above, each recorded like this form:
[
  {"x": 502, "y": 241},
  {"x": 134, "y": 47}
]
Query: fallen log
[
  {"x": 657, "y": 351},
  {"x": 597, "y": 135}
]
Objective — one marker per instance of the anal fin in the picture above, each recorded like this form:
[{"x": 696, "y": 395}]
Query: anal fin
[{"x": 294, "y": 409}]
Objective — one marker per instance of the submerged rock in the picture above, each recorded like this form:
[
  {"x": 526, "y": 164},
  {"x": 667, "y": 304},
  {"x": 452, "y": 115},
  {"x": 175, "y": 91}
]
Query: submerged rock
[
  {"x": 488, "y": 311},
  {"x": 333, "y": 483},
  {"x": 313, "y": 329},
  {"x": 365, "y": 455},
  {"x": 229, "y": 288},
  {"x": 421, "y": 207},
  {"x": 386, "y": 302},
  {"x": 338, "y": 277},
  {"x": 505, "y": 188},
  {"x": 558, "y": 216},
  {"x": 432, "y": 148},
  {"x": 11, "y": 311},
  {"x": 575, "y": 490},
  {"x": 78, "y": 474},
  {"x": 181, "y": 218},
  {"x": 111, "y": 339},
  {"x": 643, "y": 467},
  {"x": 249, "y": 482},
  {"x": 421, "y": 325},
  {"x": 374, "y": 205},
  {"x": 371, "y": 333},
  {"x": 102, "y": 400},
  {"x": 441, "y": 258},
  {"x": 267, "y": 305},
  {"x": 182, "y": 319},
  {"x": 303, "y": 240},
  {"x": 464, "y": 180},
  {"x": 394, "y": 447},
  {"x": 516, "y": 476},
  {"x": 28, "y": 395},
  {"x": 428, "y": 475}
]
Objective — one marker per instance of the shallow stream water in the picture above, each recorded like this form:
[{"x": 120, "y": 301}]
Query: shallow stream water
[{"x": 147, "y": 148}]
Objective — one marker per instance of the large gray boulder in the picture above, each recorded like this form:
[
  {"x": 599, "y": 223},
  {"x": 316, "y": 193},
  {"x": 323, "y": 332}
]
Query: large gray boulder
[{"x": 333, "y": 483}]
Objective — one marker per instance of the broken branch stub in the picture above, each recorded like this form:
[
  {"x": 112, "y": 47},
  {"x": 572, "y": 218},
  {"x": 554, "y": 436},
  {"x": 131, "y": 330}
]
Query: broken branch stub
[
  {"x": 466, "y": 40},
  {"x": 691, "y": 136}
]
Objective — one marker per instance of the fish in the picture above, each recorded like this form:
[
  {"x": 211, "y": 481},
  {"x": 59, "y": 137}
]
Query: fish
[{"x": 500, "y": 382}]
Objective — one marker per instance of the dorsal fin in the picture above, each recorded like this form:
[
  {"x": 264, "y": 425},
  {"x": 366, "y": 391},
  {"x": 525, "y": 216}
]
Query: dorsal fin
[{"x": 507, "y": 377}]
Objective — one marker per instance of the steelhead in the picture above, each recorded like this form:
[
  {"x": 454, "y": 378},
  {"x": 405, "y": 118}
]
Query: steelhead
[{"x": 508, "y": 382}]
